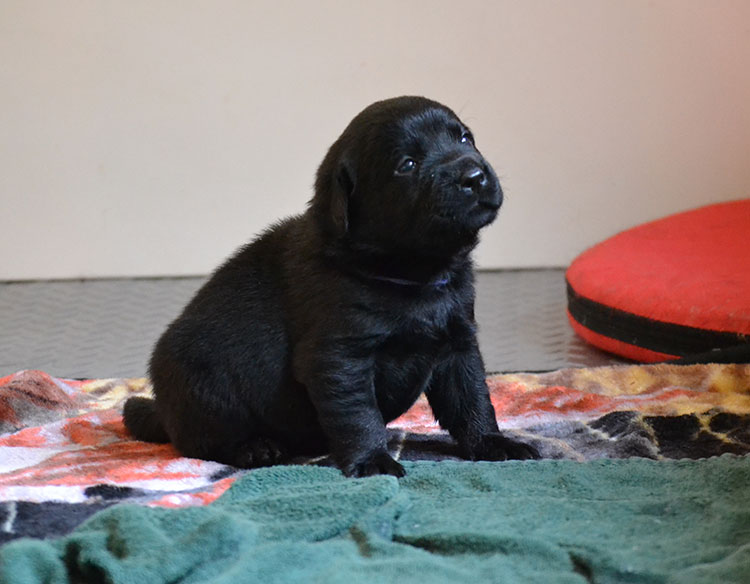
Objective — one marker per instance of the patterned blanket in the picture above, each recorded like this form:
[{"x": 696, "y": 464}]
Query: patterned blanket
[{"x": 65, "y": 454}]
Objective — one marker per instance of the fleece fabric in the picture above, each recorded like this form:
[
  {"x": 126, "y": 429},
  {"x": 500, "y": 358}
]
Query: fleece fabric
[
  {"x": 65, "y": 454},
  {"x": 550, "y": 521}
]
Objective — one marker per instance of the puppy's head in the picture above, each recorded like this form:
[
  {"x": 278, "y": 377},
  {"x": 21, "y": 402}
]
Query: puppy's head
[{"x": 405, "y": 175}]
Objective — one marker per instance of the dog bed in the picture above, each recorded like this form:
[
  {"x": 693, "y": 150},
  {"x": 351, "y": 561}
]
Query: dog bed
[{"x": 675, "y": 287}]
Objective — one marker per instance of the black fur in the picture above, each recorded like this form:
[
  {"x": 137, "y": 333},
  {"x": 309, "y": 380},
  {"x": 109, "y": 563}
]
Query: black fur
[{"x": 332, "y": 323}]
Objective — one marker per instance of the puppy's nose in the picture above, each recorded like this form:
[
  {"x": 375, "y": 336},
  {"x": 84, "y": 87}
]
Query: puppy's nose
[{"x": 473, "y": 180}]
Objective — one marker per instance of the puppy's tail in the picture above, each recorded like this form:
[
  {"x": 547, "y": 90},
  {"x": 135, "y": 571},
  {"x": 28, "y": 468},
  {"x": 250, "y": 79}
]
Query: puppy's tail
[{"x": 142, "y": 421}]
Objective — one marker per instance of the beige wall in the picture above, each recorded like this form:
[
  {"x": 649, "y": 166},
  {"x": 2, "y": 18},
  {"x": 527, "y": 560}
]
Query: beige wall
[{"x": 153, "y": 137}]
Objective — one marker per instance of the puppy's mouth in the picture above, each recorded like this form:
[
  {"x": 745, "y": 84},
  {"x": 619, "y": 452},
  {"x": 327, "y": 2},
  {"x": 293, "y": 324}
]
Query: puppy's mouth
[
  {"x": 491, "y": 203},
  {"x": 479, "y": 215},
  {"x": 485, "y": 212},
  {"x": 474, "y": 207}
]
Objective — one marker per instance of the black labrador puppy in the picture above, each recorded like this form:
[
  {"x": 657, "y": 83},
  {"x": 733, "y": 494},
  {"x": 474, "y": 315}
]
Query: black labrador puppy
[{"x": 331, "y": 323}]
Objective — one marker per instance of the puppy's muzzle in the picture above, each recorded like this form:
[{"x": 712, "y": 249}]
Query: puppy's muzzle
[
  {"x": 473, "y": 180},
  {"x": 478, "y": 182}
]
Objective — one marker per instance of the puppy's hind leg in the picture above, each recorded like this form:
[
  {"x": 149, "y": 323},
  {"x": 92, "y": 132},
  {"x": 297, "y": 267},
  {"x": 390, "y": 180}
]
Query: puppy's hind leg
[
  {"x": 233, "y": 440},
  {"x": 142, "y": 420},
  {"x": 258, "y": 451}
]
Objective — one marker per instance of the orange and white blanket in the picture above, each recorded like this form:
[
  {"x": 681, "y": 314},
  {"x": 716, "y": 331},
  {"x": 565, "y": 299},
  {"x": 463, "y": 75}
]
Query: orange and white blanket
[{"x": 65, "y": 454}]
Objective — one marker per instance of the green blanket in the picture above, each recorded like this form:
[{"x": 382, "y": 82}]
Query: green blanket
[{"x": 546, "y": 521}]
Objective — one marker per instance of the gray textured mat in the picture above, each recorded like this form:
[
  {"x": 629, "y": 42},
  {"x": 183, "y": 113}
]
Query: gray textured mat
[
  {"x": 523, "y": 325},
  {"x": 106, "y": 328}
]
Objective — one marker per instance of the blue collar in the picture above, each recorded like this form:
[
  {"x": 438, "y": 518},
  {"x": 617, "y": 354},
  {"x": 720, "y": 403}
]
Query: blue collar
[{"x": 441, "y": 283}]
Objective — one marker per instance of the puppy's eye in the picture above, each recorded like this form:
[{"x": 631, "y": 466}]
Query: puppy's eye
[
  {"x": 467, "y": 138},
  {"x": 406, "y": 166}
]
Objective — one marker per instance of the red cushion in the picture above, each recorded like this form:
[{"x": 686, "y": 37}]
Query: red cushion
[{"x": 669, "y": 288}]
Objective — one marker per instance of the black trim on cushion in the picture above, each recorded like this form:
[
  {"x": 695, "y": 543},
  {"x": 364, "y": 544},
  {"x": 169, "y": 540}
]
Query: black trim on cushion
[
  {"x": 737, "y": 354},
  {"x": 647, "y": 333}
]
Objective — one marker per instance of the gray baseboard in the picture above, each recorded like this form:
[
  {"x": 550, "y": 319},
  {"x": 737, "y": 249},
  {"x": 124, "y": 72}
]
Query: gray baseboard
[{"x": 106, "y": 328}]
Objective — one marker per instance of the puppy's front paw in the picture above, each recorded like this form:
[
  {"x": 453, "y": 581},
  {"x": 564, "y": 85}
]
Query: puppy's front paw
[
  {"x": 497, "y": 446},
  {"x": 374, "y": 464}
]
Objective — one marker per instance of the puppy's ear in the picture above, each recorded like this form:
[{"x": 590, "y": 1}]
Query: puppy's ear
[
  {"x": 342, "y": 190},
  {"x": 334, "y": 186}
]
